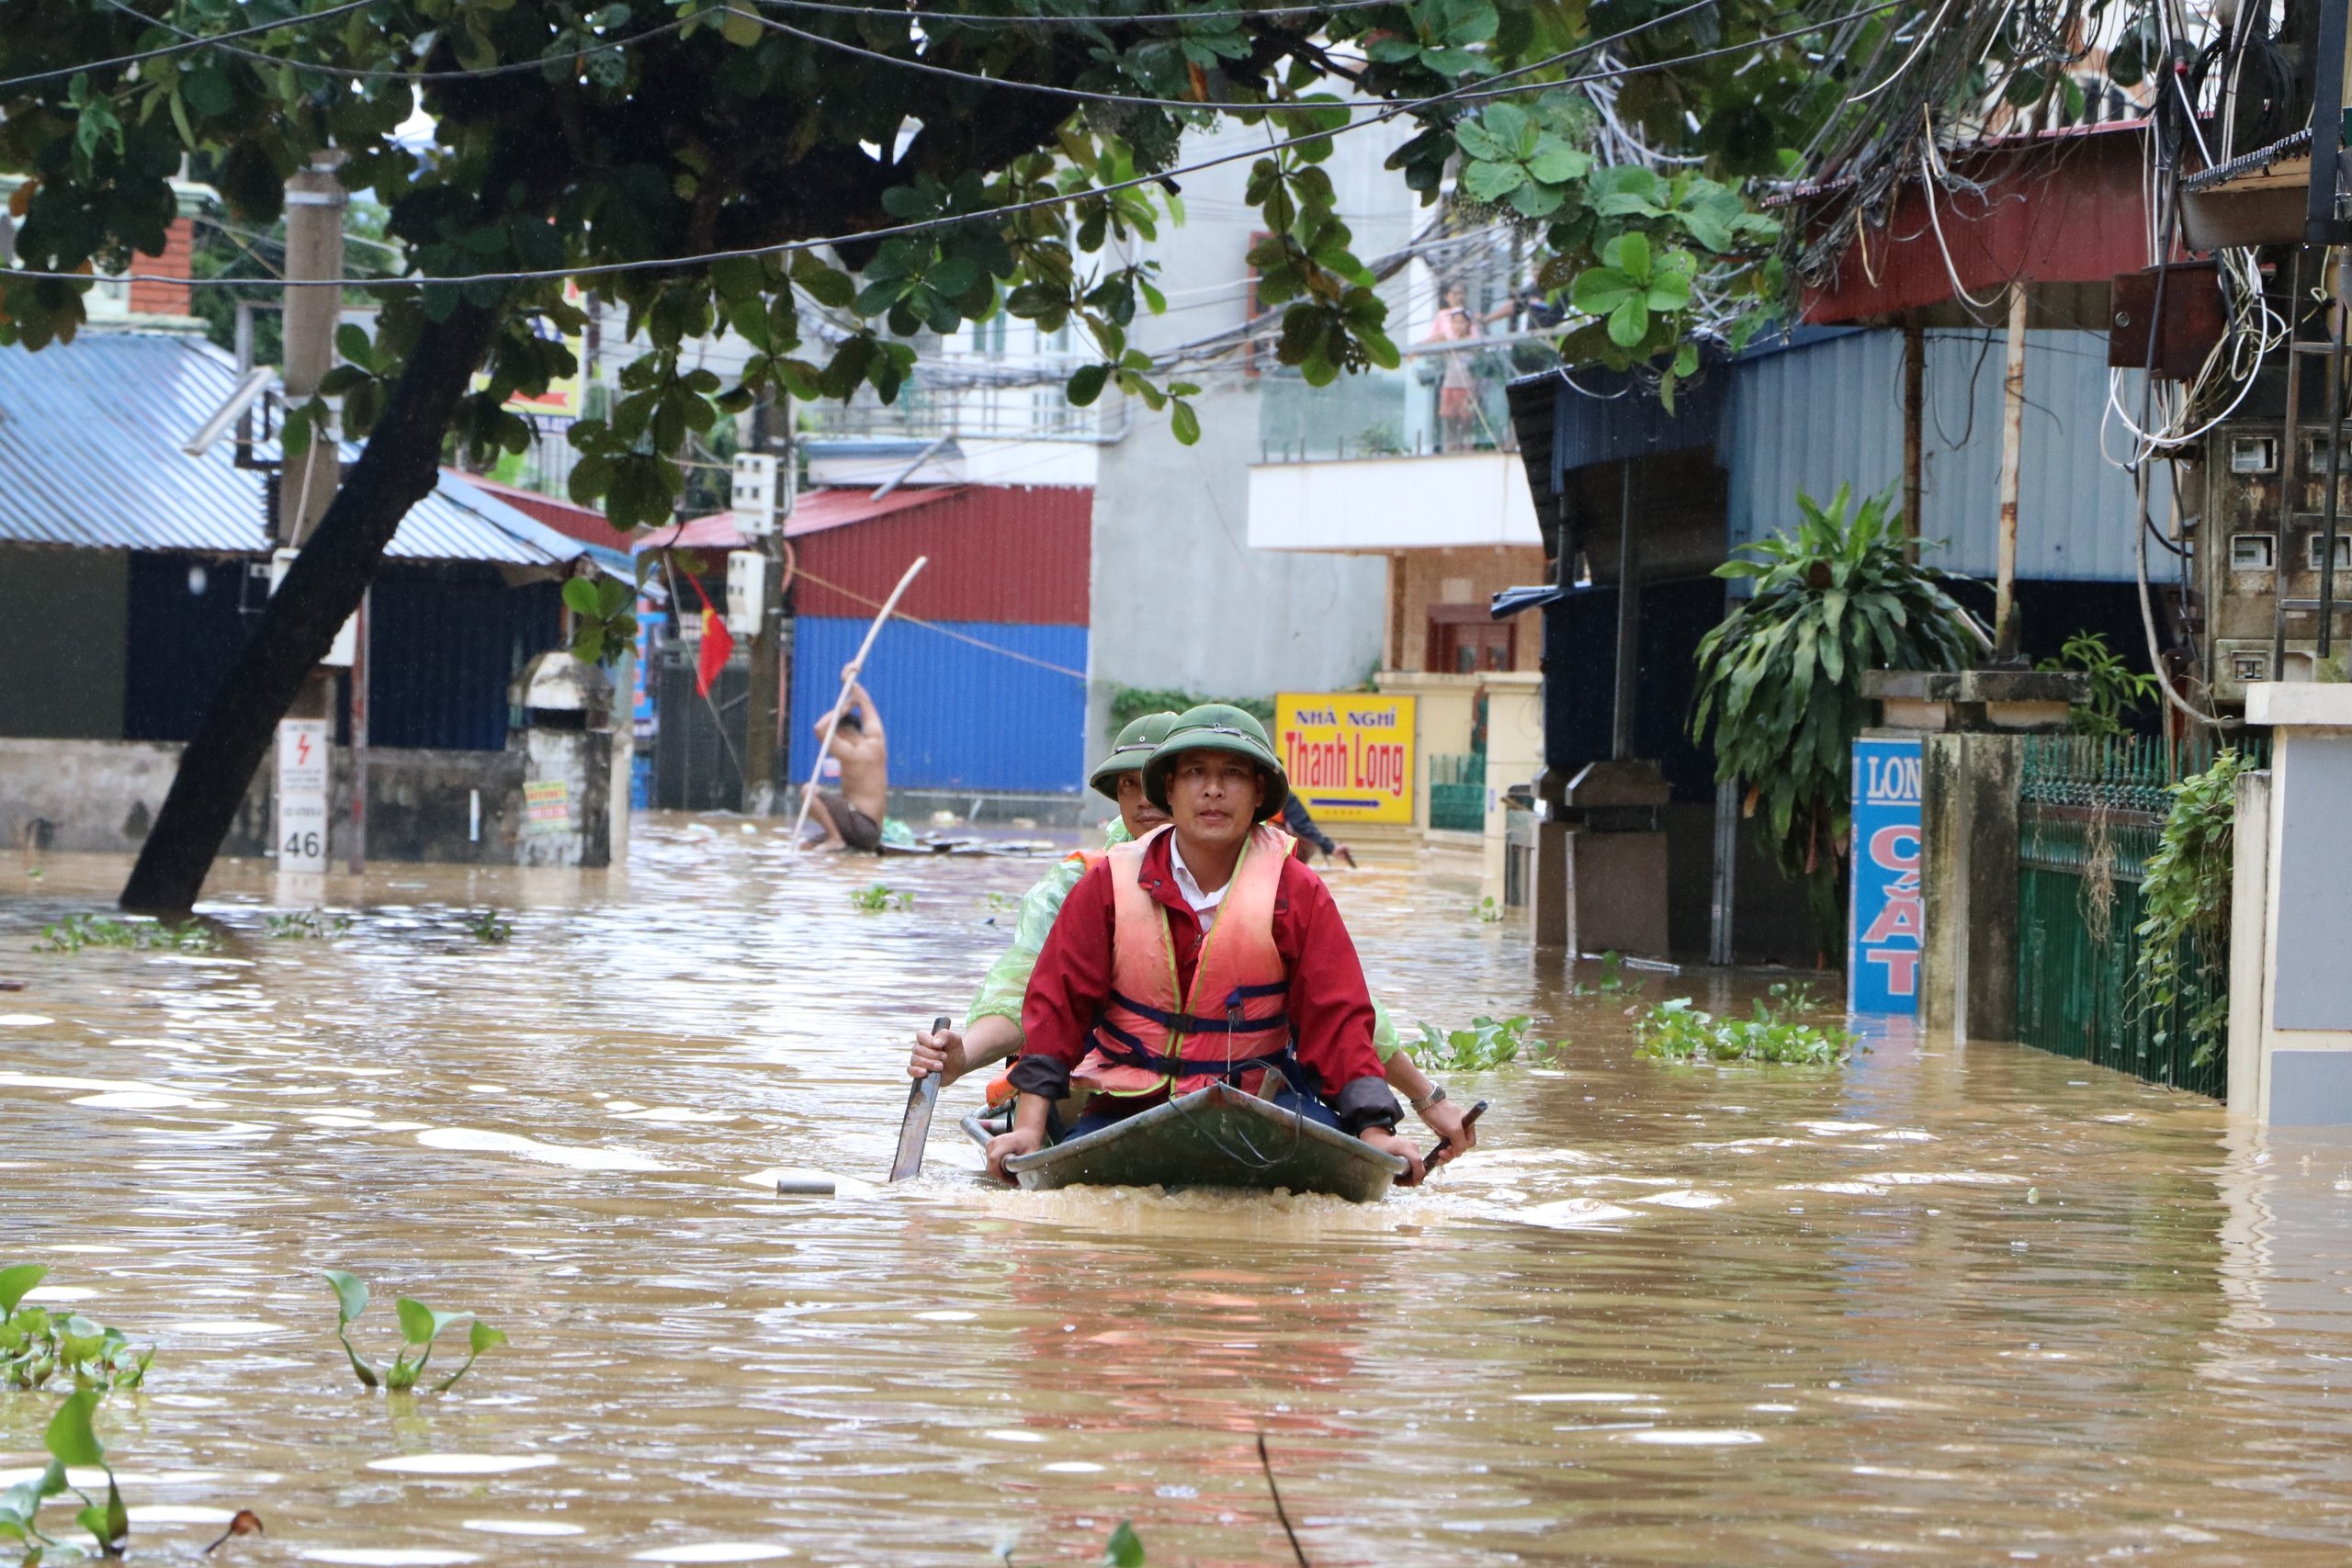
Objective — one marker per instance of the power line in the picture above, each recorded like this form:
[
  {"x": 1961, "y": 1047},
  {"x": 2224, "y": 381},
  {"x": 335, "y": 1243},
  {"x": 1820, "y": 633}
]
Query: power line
[
  {"x": 199, "y": 42},
  {"x": 359, "y": 73},
  {"x": 892, "y": 12},
  {"x": 1382, "y": 115}
]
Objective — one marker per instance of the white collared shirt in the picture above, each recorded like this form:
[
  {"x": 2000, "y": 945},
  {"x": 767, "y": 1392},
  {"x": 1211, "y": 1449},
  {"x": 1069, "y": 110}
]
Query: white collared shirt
[{"x": 1204, "y": 905}]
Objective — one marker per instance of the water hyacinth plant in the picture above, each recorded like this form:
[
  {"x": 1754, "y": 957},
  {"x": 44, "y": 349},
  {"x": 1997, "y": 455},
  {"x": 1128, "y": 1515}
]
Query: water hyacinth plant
[
  {"x": 420, "y": 1325},
  {"x": 35, "y": 1344},
  {"x": 881, "y": 896},
  {"x": 1781, "y": 678},
  {"x": 1488, "y": 1042},
  {"x": 1677, "y": 1031},
  {"x": 71, "y": 1439},
  {"x": 75, "y": 932}
]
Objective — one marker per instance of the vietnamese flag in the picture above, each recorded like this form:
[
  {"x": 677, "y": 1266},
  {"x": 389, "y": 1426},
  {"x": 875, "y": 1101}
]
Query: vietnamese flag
[{"x": 718, "y": 642}]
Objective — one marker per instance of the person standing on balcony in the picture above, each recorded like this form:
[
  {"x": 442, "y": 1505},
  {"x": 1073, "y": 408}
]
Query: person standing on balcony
[{"x": 1457, "y": 387}]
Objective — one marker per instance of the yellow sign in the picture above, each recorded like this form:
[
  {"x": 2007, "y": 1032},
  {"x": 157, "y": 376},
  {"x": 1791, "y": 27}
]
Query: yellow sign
[{"x": 1348, "y": 754}]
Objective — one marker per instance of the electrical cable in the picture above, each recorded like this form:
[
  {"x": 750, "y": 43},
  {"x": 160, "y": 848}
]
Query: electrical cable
[
  {"x": 359, "y": 73},
  {"x": 894, "y": 13},
  {"x": 195, "y": 42},
  {"x": 913, "y": 226}
]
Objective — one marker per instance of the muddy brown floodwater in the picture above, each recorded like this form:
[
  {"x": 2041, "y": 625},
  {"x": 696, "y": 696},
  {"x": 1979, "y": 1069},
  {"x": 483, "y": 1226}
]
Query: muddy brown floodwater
[{"x": 1949, "y": 1305}]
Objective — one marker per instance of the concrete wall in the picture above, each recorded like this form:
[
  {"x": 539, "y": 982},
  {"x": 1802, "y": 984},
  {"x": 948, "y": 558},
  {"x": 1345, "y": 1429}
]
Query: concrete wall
[
  {"x": 63, "y": 642},
  {"x": 1420, "y": 579},
  {"x": 1180, "y": 600},
  {"x": 102, "y": 797}
]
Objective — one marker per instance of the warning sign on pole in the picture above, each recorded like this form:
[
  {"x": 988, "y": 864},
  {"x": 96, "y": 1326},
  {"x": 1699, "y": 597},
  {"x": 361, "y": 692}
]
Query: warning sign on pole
[{"x": 302, "y": 762}]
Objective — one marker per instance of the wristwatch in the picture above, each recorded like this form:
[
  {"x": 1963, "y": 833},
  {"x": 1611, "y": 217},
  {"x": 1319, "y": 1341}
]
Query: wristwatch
[{"x": 1436, "y": 1093}]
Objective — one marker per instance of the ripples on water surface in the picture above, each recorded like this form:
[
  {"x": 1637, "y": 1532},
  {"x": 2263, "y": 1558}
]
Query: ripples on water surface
[{"x": 1948, "y": 1306}]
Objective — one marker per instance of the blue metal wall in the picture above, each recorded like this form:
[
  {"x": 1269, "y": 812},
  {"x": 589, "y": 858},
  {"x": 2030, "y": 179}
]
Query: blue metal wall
[
  {"x": 445, "y": 643},
  {"x": 957, "y": 717},
  {"x": 1831, "y": 412}
]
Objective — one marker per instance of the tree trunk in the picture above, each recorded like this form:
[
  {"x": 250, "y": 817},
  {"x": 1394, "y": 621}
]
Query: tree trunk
[{"x": 321, "y": 588}]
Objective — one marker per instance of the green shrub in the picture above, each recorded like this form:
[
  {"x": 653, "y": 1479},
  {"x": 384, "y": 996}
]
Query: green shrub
[{"x": 2184, "y": 908}]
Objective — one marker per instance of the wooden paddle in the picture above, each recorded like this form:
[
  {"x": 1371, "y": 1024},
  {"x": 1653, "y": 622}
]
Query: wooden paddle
[
  {"x": 1437, "y": 1155},
  {"x": 914, "y": 1129}
]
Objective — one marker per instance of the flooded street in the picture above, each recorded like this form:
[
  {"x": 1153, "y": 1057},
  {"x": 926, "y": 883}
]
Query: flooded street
[{"x": 1948, "y": 1306}]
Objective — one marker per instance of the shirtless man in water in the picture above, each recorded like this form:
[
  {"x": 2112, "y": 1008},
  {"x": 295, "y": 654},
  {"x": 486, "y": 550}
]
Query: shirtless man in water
[{"x": 851, "y": 814}]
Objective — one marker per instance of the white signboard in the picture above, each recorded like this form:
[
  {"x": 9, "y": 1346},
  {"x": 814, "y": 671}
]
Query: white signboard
[{"x": 302, "y": 762}]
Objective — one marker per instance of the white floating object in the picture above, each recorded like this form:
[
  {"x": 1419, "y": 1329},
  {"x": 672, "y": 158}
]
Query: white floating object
[
  {"x": 523, "y": 1527},
  {"x": 476, "y": 1140},
  {"x": 717, "y": 1551},
  {"x": 1072, "y": 1467},
  {"x": 23, "y": 1020},
  {"x": 947, "y": 1314},
  {"x": 1012, "y": 1435},
  {"x": 462, "y": 1464},
  {"x": 42, "y": 1295},
  {"x": 808, "y": 1182},
  {"x": 1694, "y": 1438}
]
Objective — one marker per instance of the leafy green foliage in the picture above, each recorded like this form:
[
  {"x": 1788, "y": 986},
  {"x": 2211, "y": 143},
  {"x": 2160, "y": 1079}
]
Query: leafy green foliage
[
  {"x": 490, "y": 927},
  {"x": 1488, "y": 1042},
  {"x": 1779, "y": 680},
  {"x": 70, "y": 1438},
  {"x": 2116, "y": 688},
  {"x": 1131, "y": 702},
  {"x": 306, "y": 925},
  {"x": 37, "y": 1344},
  {"x": 421, "y": 1326},
  {"x": 1678, "y": 1032},
  {"x": 1613, "y": 981},
  {"x": 2185, "y": 908},
  {"x": 880, "y": 895},
  {"x": 1123, "y": 1550},
  {"x": 603, "y": 618},
  {"x": 75, "y": 932}
]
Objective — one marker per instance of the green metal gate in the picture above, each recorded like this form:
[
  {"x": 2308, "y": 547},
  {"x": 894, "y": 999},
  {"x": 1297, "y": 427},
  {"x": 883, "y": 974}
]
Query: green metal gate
[
  {"x": 2090, "y": 813},
  {"x": 1458, "y": 792}
]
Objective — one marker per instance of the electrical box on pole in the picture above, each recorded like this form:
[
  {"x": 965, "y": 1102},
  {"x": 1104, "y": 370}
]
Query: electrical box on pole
[
  {"x": 759, "y": 499},
  {"x": 754, "y": 578}
]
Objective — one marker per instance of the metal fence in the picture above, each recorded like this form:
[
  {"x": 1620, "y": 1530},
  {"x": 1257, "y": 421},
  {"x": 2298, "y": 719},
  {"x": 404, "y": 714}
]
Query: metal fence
[
  {"x": 2090, "y": 813},
  {"x": 1458, "y": 792}
]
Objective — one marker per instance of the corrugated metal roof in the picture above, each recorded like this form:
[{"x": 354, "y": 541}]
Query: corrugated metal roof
[
  {"x": 90, "y": 435},
  {"x": 1831, "y": 412},
  {"x": 999, "y": 553}
]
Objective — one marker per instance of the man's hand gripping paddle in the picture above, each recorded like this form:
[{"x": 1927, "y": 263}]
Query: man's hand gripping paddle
[{"x": 915, "y": 1129}]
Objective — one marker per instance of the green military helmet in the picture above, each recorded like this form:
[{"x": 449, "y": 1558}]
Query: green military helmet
[
  {"x": 1130, "y": 752},
  {"x": 1217, "y": 727}
]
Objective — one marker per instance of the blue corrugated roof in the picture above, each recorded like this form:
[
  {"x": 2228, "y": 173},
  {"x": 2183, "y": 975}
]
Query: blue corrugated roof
[{"x": 90, "y": 435}]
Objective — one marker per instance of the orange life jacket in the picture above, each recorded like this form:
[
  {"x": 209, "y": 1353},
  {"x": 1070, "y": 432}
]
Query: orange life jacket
[
  {"x": 1230, "y": 1025},
  {"x": 1000, "y": 1090}
]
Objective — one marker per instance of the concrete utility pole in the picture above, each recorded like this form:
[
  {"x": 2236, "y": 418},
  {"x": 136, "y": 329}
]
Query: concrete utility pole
[
  {"x": 314, "y": 206},
  {"x": 316, "y": 201},
  {"x": 2005, "y": 610},
  {"x": 765, "y": 710}
]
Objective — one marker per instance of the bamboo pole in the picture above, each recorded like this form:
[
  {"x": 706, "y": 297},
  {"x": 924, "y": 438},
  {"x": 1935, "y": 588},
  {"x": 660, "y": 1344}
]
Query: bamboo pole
[
  {"x": 2005, "y": 609},
  {"x": 849, "y": 678}
]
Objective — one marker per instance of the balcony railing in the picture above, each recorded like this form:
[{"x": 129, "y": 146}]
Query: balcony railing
[{"x": 1440, "y": 401}]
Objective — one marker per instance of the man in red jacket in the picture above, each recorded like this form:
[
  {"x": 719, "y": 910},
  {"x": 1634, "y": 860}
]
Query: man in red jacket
[{"x": 1204, "y": 953}]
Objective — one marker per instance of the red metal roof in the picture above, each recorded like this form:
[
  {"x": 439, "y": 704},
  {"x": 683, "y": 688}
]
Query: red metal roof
[
  {"x": 998, "y": 552},
  {"x": 2053, "y": 210},
  {"x": 584, "y": 523}
]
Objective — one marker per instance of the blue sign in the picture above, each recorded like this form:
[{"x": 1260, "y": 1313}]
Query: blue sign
[{"x": 1885, "y": 931}]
